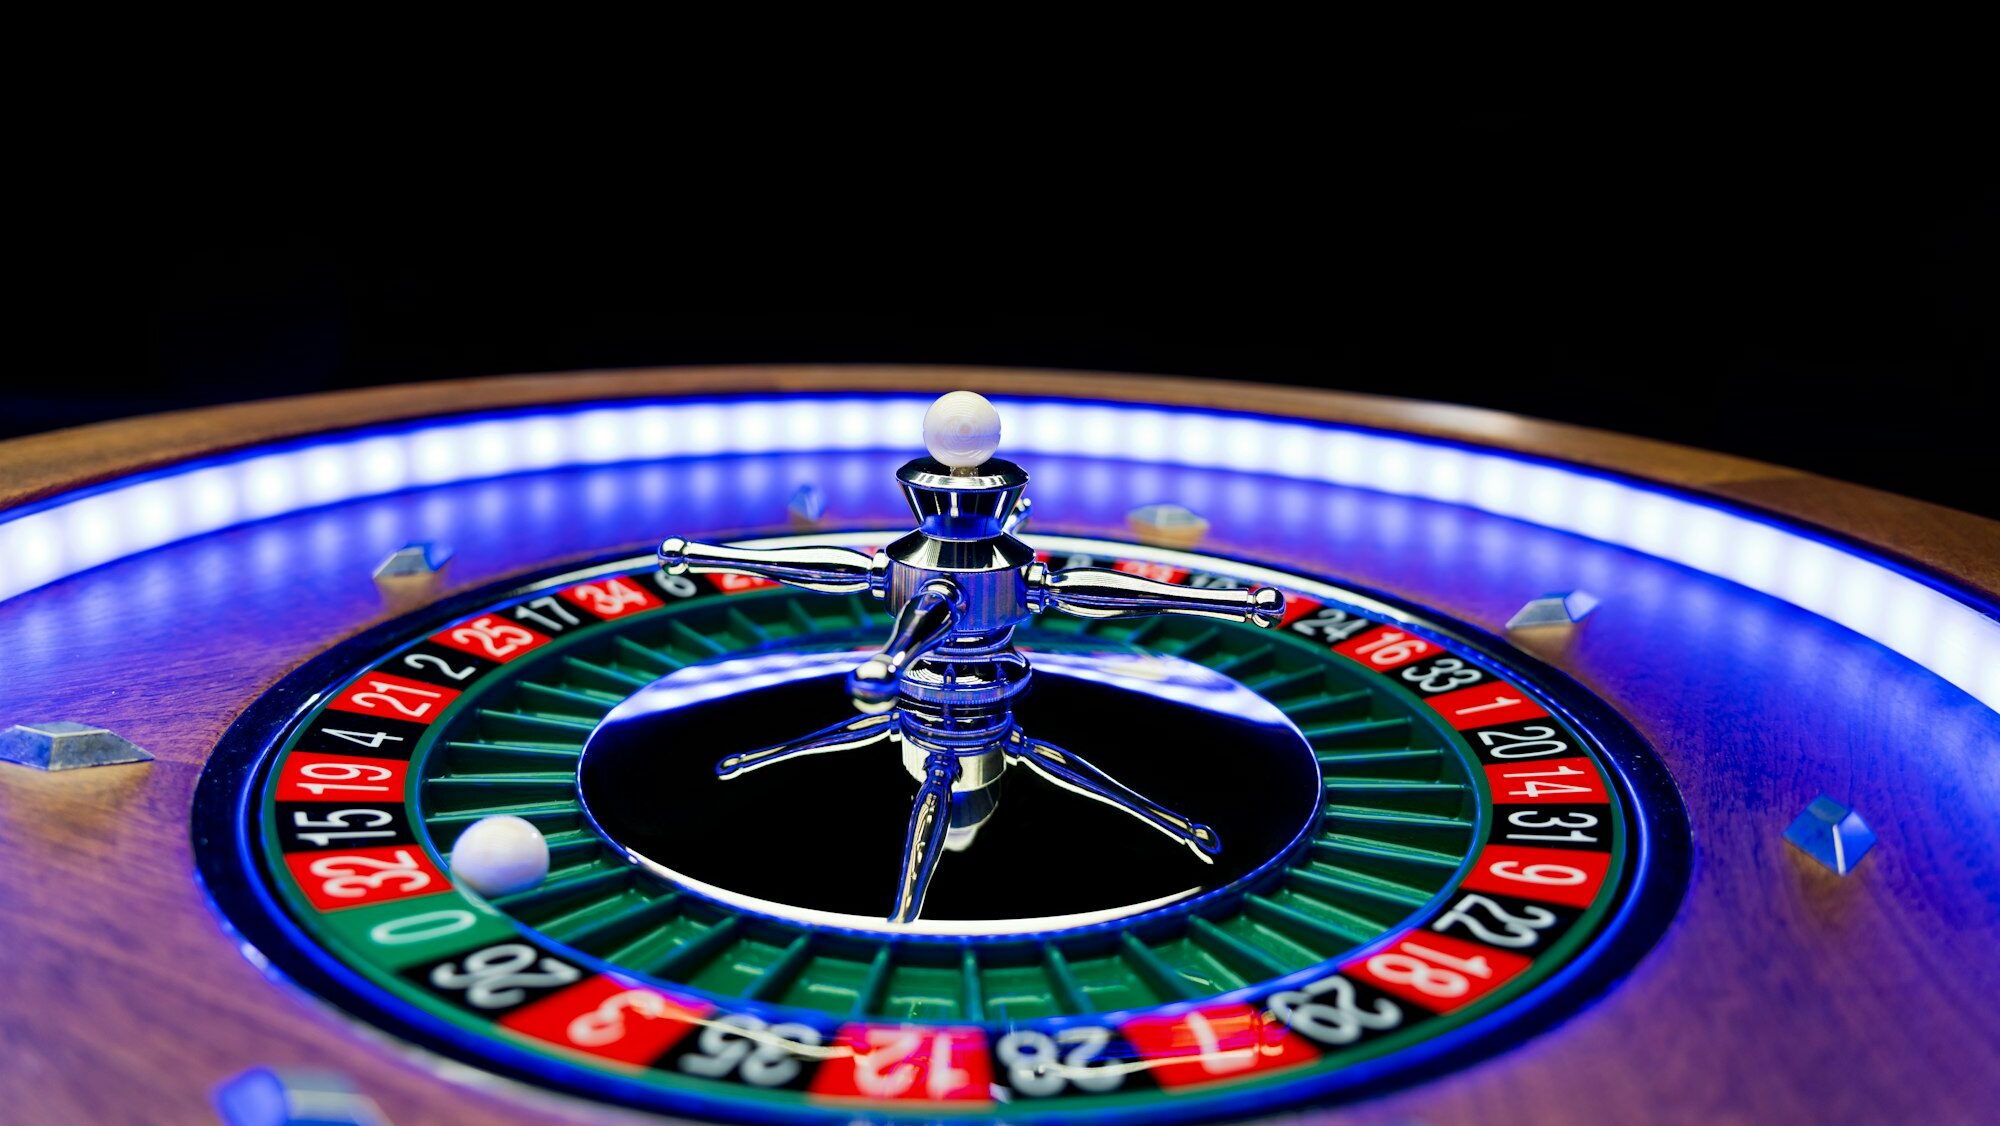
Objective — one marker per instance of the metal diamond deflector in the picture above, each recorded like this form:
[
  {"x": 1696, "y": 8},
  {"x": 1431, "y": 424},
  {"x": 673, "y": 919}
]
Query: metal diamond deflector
[
  {"x": 414, "y": 560},
  {"x": 63, "y": 745},
  {"x": 1564, "y": 608},
  {"x": 1832, "y": 834},
  {"x": 265, "y": 1096}
]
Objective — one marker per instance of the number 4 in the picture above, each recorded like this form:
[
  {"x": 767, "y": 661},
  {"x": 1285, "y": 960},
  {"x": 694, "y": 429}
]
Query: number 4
[{"x": 365, "y": 738}]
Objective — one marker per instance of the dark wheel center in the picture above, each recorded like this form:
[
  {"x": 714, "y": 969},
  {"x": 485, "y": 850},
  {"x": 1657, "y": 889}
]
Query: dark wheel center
[{"x": 823, "y": 833}]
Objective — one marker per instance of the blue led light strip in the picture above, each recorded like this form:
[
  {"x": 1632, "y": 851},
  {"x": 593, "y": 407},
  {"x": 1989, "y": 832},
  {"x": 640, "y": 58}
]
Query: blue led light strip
[{"x": 1950, "y": 637}]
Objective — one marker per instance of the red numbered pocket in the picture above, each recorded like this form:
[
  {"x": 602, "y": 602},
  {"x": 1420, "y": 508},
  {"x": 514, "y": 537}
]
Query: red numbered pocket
[
  {"x": 394, "y": 697},
  {"x": 492, "y": 637},
  {"x": 608, "y": 1017},
  {"x": 1437, "y": 971},
  {"x": 615, "y": 597},
  {"x": 1212, "y": 1044},
  {"x": 358, "y": 876},
  {"x": 1570, "y": 877},
  {"x": 1387, "y": 648},
  {"x": 904, "y": 1061}
]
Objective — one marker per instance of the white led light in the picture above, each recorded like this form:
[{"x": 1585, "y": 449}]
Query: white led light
[
  {"x": 1295, "y": 452},
  {"x": 35, "y": 548},
  {"x": 799, "y": 423},
  {"x": 1099, "y": 432},
  {"x": 434, "y": 454},
  {"x": 1250, "y": 445},
  {"x": 1860, "y": 592},
  {"x": 1809, "y": 575},
  {"x": 1702, "y": 541},
  {"x": 380, "y": 465},
  {"x": 1045, "y": 427},
  {"x": 1492, "y": 483},
  {"x": 267, "y": 485},
  {"x": 600, "y": 436},
  {"x": 486, "y": 449},
  {"x": 539, "y": 443},
  {"x": 1598, "y": 511},
  {"x": 1196, "y": 439},
  {"x": 1545, "y": 497},
  {"x": 212, "y": 497},
  {"x": 91, "y": 531},
  {"x": 752, "y": 430},
  {"x": 902, "y": 424},
  {"x": 1909, "y": 619},
  {"x": 652, "y": 432},
  {"x": 1755, "y": 555},
  {"x": 853, "y": 425},
  {"x": 1342, "y": 457},
  {"x": 1957, "y": 650},
  {"x": 699, "y": 430},
  {"x": 1952, "y": 639},
  {"x": 1444, "y": 474},
  {"x": 1391, "y": 468},
  {"x": 323, "y": 474},
  {"x": 1146, "y": 435},
  {"x": 1653, "y": 519},
  {"x": 150, "y": 513}
]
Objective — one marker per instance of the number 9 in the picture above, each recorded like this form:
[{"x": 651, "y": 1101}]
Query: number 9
[{"x": 1554, "y": 875}]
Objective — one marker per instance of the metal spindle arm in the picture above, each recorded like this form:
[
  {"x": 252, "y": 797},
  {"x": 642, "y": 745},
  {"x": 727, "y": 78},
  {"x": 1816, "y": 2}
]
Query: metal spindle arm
[
  {"x": 924, "y": 840},
  {"x": 847, "y": 735},
  {"x": 924, "y": 623},
  {"x": 1077, "y": 775},
  {"x": 1095, "y": 592},
  {"x": 828, "y": 570}
]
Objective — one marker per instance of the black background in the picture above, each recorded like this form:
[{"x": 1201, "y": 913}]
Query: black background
[{"x": 1809, "y": 287}]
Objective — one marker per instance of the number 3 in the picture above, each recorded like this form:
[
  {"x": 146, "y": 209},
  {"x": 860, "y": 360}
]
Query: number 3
[{"x": 606, "y": 1025}]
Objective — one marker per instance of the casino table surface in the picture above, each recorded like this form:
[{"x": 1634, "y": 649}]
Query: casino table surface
[{"x": 202, "y": 585}]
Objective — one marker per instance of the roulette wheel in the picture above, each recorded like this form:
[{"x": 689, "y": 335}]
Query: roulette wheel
[{"x": 738, "y": 745}]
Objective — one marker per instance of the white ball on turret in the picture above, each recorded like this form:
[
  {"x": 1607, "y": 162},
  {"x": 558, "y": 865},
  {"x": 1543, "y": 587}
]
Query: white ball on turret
[{"x": 962, "y": 430}]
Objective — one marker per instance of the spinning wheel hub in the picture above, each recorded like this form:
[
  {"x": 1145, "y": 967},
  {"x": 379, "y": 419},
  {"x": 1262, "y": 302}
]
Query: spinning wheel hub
[{"x": 944, "y": 683}]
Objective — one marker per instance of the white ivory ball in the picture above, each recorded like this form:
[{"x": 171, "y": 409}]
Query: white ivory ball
[
  {"x": 962, "y": 430},
  {"x": 498, "y": 855}
]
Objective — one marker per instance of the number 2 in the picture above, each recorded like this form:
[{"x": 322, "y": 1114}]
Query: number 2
[{"x": 420, "y": 660}]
